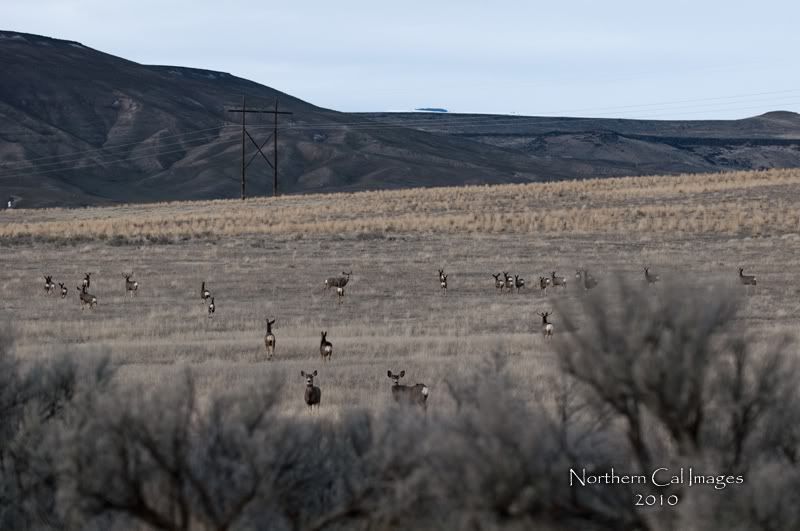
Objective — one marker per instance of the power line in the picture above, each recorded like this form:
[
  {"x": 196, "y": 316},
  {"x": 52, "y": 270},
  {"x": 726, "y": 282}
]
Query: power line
[
  {"x": 104, "y": 149},
  {"x": 244, "y": 111},
  {"x": 93, "y": 164}
]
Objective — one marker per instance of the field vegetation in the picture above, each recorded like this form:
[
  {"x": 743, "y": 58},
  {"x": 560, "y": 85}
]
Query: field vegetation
[{"x": 144, "y": 413}]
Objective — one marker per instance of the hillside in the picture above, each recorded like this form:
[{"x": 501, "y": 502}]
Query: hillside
[{"x": 81, "y": 127}]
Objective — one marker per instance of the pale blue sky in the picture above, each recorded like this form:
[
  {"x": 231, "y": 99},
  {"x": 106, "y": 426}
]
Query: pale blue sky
[{"x": 637, "y": 59}]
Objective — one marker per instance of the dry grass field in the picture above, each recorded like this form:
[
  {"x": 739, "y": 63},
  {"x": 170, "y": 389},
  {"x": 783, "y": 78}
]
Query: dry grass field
[
  {"x": 269, "y": 257},
  {"x": 671, "y": 375}
]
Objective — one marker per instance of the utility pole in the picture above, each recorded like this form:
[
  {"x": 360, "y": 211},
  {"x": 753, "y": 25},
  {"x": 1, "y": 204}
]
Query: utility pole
[
  {"x": 244, "y": 168},
  {"x": 245, "y": 134},
  {"x": 275, "y": 153}
]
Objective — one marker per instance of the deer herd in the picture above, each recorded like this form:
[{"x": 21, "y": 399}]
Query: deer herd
[{"x": 414, "y": 395}]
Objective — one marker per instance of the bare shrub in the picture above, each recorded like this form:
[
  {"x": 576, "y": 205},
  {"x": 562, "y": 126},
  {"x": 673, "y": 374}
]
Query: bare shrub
[
  {"x": 678, "y": 374},
  {"x": 33, "y": 404}
]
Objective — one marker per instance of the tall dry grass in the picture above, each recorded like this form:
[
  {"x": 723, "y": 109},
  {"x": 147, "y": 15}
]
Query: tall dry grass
[{"x": 738, "y": 203}]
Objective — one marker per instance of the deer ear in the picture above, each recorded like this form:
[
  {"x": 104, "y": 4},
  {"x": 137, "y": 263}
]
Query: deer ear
[
  {"x": 389, "y": 374},
  {"x": 302, "y": 373},
  {"x": 402, "y": 373},
  {"x": 315, "y": 373}
]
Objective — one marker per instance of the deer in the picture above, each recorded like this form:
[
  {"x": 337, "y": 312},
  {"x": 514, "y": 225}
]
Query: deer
[
  {"x": 519, "y": 282},
  {"x": 509, "y": 281},
  {"x": 746, "y": 280},
  {"x": 543, "y": 283},
  {"x": 443, "y": 283},
  {"x": 325, "y": 347},
  {"x": 204, "y": 293},
  {"x": 87, "y": 280},
  {"x": 49, "y": 285},
  {"x": 86, "y": 298},
  {"x": 63, "y": 290},
  {"x": 313, "y": 394},
  {"x": 211, "y": 308},
  {"x": 651, "y": 278},
  {"x": 441, "y": 275},
  {"x": 131, "y": 286},
  {"x": 339, "y": 282},
  {"x": 547, "y": 328},
  {"x": 558, "y": 281},
  {"x": 499, "y": 284},
  {"x": 588, "y": 280},
  {"x": 409, "y": 394},
  {"x": 269, "y": 339}
]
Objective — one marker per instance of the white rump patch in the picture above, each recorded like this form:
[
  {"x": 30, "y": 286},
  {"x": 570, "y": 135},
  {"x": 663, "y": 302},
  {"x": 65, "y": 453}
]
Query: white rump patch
[
  {"x": 328, "y": 349},
  {"x": 425, "y": 390}
]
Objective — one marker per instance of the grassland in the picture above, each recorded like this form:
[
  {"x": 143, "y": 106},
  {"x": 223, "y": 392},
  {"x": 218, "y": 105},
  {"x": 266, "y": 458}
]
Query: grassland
[{"x": 268, "y": 258}]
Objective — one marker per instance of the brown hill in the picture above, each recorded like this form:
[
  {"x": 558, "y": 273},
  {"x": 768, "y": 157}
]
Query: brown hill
[{"x": 78, "y": 127}]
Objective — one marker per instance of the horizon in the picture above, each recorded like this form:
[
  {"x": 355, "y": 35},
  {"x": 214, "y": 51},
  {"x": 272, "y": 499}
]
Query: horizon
[{"x": 614, "y": 61}]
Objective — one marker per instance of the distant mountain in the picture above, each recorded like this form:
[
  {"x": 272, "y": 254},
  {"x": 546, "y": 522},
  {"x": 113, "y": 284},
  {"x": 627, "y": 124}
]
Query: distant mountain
[{"x": 79, "y": 127}]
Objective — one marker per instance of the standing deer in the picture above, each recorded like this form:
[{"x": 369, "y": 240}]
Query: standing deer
[
  {"x": 339, "y": 282},
  {"x": 547, "y": 328},
  {"x": 63, "y": 290},
  {"x": 443, "y": 284},
  {"x": 499, "y": 284},
  {"x": 509, "y": 281},
  {"x": 211, "y": 308},
  {"x": 49, "y": 285},
  {"x": 325, "y": 347},
  {"x": 441, "y": 274},
  {"x": 651, "y": 278},
  {"x": 313, "y": 394},
  {"x": 543, "y": 283},
  {"x": 204, "y": 293},
  {"x": 519, "y": 282},
  {"x": 131, "y": 286},
  {"x": 558, "y": 281},
  {"x": 87, "y": 280},
  {"x": 746, "y": 280},
  {"x": 269, "y": 339},
  {"x": 86, "y": 298},
  {"x": 409, "y": 394}
]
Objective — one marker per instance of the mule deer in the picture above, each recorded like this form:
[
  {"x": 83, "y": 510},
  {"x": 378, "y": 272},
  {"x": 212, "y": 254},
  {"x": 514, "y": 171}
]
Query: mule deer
[
  {"x": 325, "y": 347},
  {"x": 313, "y": 394},
  {"x": 340, "y": 282},
  {"x": 651, "y": 278},
  {"x": 441, "y": 275},
  {"x": 87, "y": 281},
  {"x": 211, "y": 308},
  {"x": 269, "y": 339},
  {"x": 543, "y": 283},
  {"x": 547, "y": 328},
  {"x": 131, "y": 286},
  {"x": 558, "y": 281},
  {"x": 409, "y": 394},
  {"x": 86, "y": 298},
  {"x": 499, "y": 284},
  {"x": 443, "y": 283},
  {"x": 63, "y": 290},
  {"x": 509, "y": 281},
  {"x": 519, "y": 282},
  {"x": 204, "y": 293},
  {"x": 747, "y": 280},
  {"x": 49, "y": 285}
]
